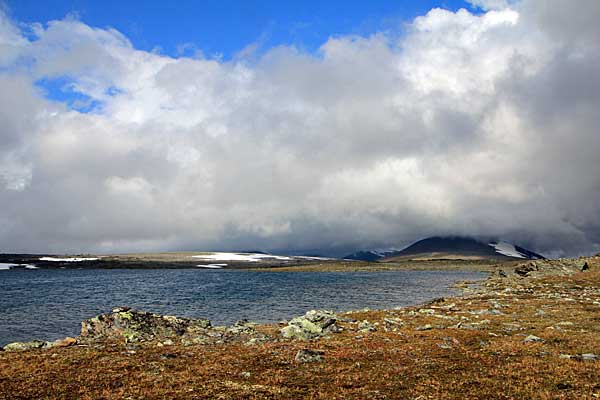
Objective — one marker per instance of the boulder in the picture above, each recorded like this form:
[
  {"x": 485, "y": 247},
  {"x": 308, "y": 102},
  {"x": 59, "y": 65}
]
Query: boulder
[
  {"x": 138, "y": 326},
  {"x": 313, "y": 324}
]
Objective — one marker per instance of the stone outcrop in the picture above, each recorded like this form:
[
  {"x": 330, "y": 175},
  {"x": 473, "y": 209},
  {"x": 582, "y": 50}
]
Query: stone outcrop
[
  {"x": 134, "y": 326},
  {"x": 131, "y": 326},
  {"x": 542, "y": 268},
  {"x": 313, "y": 324}
]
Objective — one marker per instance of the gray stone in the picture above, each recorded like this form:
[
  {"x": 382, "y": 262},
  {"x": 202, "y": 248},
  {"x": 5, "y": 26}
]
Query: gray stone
[
  {"x": 308, "y": 355},
  {"x": 365, "y": 326},
  {"x": 392, "y": 324},
  {"x": 424, "y": 328},
  {"x": 138, "y": 326},
  {"x": 313, "y": 324},
  {"x": 533, "y": 339},
  {"x": 25, "y": 346}
]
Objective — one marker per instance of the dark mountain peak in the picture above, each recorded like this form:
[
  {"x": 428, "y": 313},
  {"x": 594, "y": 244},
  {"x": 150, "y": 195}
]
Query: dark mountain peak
[{"x": 450, "y": 247}]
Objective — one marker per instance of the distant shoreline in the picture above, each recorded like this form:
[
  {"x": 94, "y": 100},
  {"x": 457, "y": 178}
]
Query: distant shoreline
[{"x": 276, "y": 264}]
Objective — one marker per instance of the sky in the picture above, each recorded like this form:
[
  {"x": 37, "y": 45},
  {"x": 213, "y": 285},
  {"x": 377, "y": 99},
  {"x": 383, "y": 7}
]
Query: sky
[{"x": 305, "y": 127}]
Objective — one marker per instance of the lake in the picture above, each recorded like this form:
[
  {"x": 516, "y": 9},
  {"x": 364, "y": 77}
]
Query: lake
[{"x": 50, "y": 304}]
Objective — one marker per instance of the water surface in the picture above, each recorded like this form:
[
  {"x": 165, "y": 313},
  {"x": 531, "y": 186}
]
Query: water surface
[{"x": 50, "y": 304}]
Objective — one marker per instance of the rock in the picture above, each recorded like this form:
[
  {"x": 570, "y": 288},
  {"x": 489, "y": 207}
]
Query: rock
[
  {"x": 313, "y": 324},
  {"x": 168, "y": 356},
  {"x": 511, "y": 327},
  {"x": 471, "y": 325},
  {"x": 526, "y": 269},
  {"x": 242, "y": 327},
  {"x": 424, "y": 328},
  {"x": 24, "y": 346},
  {"x": 580, "y": 357},
  {"x": 66, "y": 342},
  {"x": 245, "y": 375},
  {"x": 532, "y": 339},
  {"x": 497, "y": 304},
  {"x": 565, "y": 323},
  {"x": 139, "y": 326},
  {"x": 365, "y": 327},
  {"x": 308, "y": 355},
  {"x": 487, "y": 312},
  {"x": 438, "y": 300},
  {"x": 256, "y": 340},
  {"x": 392, "y": 324},
  {"x": 450, "y": 307},
  {"x": 564, "y": 386}
]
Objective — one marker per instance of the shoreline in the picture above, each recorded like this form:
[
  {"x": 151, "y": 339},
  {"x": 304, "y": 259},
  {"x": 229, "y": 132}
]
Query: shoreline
[{"x": 529, "y": 334}]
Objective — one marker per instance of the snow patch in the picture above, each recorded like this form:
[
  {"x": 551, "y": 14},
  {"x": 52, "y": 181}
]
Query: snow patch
[
  {"x": 7, "y": 266},
  {"x": 248, "y": 257},
  {"x": 70, "y": 259},
  {"x": 212, "y": 266},
  {"x": 507, "y": 249}
]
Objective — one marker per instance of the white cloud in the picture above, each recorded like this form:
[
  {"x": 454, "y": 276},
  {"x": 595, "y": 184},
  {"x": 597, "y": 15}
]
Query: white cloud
[{"x": 478, "y": 124}]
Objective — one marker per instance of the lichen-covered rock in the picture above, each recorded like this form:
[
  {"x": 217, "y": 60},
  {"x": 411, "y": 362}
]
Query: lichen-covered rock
[
  {"x": 313, "y": 324},
  {"x": 392, "y": 324},
  {"x": 242, "y": 327},
  {"x": 365, "y": 327},
  {"x": 139, "y": 326},
  {"x": 24, "y": 346},
  {"x": 532, "y": 339},
  {"x": 308, "y": 355}
]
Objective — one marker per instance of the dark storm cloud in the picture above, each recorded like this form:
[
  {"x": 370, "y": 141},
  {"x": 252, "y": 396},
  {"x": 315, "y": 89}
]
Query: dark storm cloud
[{"x": 475, "y": 124}]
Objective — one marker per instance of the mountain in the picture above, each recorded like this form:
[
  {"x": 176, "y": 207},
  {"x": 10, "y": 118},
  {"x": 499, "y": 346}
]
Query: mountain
[
  {"x": 450, "y": 248},
  {"x": 368, "y": 255}
]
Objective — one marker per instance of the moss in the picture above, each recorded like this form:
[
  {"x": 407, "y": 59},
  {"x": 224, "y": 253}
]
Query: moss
[
  {"x": 130, "y": 335},
  {"x": 125, "y": 315}
]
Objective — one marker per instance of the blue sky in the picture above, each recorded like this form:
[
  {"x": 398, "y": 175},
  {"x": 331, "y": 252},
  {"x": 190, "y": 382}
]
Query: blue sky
[{"x": 224, "y": 27}]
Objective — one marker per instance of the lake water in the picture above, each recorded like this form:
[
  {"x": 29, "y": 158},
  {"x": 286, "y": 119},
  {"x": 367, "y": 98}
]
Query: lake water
[{"x": 50, "y": 304}]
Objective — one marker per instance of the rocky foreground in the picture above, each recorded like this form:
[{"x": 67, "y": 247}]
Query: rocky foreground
[{"x": 529, "y": 331}]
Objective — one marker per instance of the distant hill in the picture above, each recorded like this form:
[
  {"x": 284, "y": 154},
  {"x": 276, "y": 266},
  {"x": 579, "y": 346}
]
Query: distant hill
[{"x": 437, "y": 248}]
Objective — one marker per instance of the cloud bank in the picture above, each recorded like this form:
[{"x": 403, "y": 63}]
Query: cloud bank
[{"x": 468, "y": 123}]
